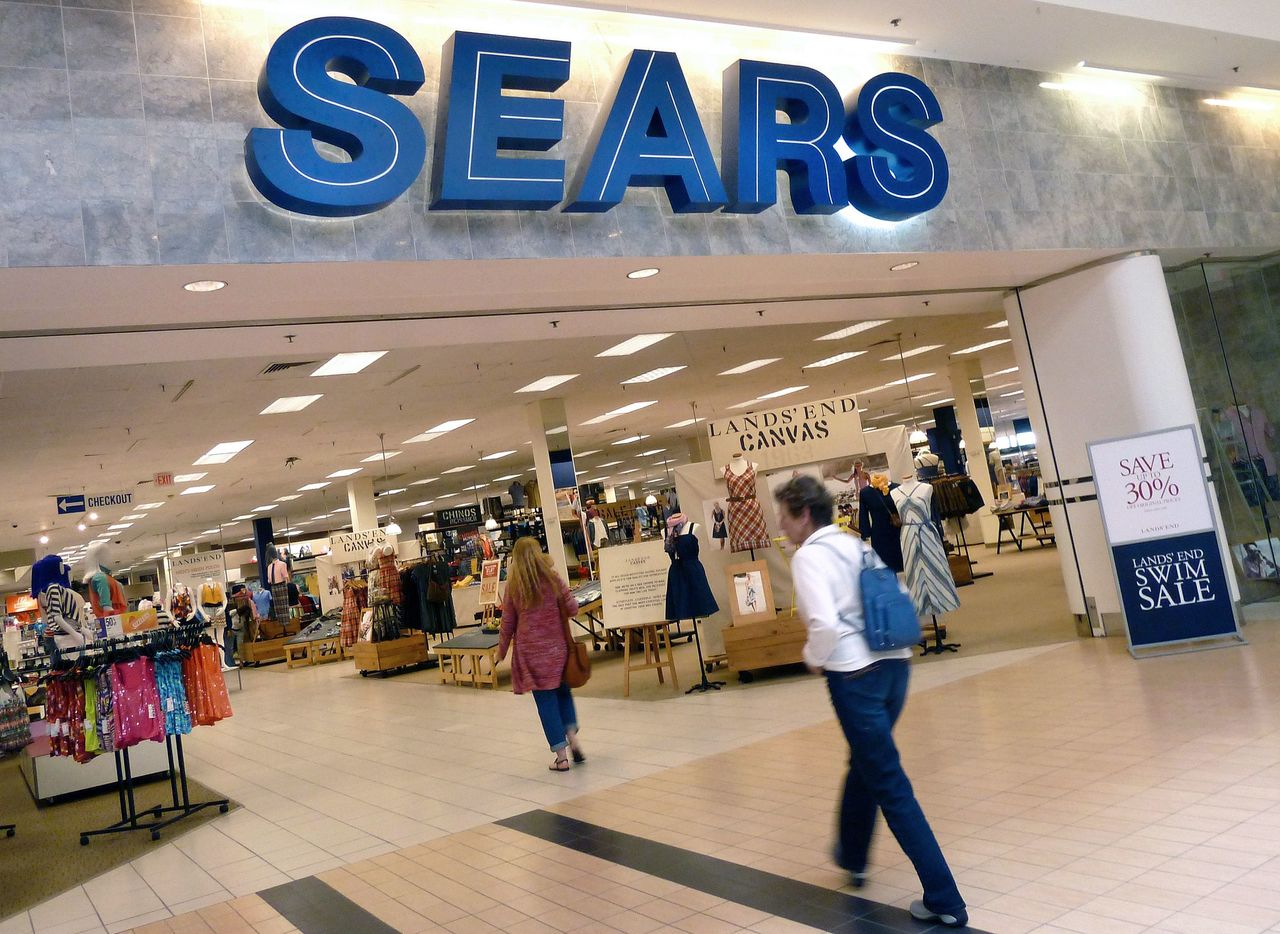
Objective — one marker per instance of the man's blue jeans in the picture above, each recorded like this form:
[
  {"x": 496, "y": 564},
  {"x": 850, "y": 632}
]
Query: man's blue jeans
[
  {"x": 867, "y": 704},
  {"x": 555, "y": 710}
]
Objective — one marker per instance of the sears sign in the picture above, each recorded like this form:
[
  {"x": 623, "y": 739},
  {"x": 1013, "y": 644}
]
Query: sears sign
[{"x": 649, "y": 132}]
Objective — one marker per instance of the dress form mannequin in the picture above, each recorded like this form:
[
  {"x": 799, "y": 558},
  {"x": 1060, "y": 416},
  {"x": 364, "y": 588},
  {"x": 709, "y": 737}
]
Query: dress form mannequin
[
  {"x": 60, "y": 606},
  {"x": 277, "y": 581},
  {"x": 213, "y": 608},
  {"x": 747, "y": 530},
  {"x": 182, "y": 603},
  {"x": 105, "y": 593}
]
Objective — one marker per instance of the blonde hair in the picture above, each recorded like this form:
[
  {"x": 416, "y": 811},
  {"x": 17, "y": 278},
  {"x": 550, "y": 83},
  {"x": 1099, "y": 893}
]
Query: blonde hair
[{"x": 528, "y": 569}]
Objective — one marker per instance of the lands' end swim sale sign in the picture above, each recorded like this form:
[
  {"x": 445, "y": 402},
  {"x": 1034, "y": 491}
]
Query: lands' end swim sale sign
[
  {"x": 1163, "y": 538},
  {"x": 649, "y": 132}
]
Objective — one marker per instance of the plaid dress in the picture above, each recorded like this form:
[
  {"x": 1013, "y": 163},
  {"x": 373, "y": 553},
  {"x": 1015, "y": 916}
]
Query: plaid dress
[{"x": 746, "y": 517}]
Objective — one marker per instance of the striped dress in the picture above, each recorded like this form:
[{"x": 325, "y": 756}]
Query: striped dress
[{"x": 933, "y": 589}]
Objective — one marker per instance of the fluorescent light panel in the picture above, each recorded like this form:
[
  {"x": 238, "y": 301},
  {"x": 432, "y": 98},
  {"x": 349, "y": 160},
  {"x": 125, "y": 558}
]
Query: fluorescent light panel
[
  {"x": 350, "y": 471},
  {"x": 290, "y": 404},
  {"x": 346, "y": 363},
  {"x": 688, "y": 421},
  {"x": 914, "y": 352},
  {"x": 997, "y": 325},
  {"x": 193, "y": 490},
  {"x": 783, "y": 392},
  {"x": 986, "y": 346},
  {"x": 832, "y": 361},
  {"x": 267, "y": 508},
  {"x": 632, "y": 440},
  {"x": 221, "y": 453},
  {"x": 188, "y": 477},
  {"x": 150, "y": 505},
  {"x": 497, "y": 455},
  {"x": 373, "y": 458},
  {"x": 424, "y": 481},
  {"x": 851, "y": 330},
  {"x": 458, "y": 469},
  {"x": 651, "y": 375},
  {"x": 288, "y": 498},
  {"x": 313, "y": 486},
  {"x": 615, "y": 413},
  {"x": 749, "y": 366},
  {"x": 547, "y": 382},
  {"x": 633, "y": 345}
]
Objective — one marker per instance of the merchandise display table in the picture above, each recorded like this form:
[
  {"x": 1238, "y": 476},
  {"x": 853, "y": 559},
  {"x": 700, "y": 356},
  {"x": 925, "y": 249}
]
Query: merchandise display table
[
  {"x": 751, "y": 646},
  {"x": 409, "y": 651},
  {"x": 50, "y": 778},
  {"x": 655, "y": 639},
  {"x": 257, "y": 653},
  {"x": 1041, "y": 525},
  {"x": 474, "y": 648},
  {"x": 315, "y": 645}
]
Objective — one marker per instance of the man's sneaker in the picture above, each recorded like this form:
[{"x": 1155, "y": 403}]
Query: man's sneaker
[
  {"x": 921, "y": 912},
  {"x": 857, "y": 879}
]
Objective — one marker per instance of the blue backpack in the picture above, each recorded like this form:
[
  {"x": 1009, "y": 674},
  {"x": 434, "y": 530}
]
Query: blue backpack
[{"x": 889, "y": 617}]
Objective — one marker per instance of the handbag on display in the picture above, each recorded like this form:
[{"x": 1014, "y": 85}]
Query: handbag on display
[
  {"x": 437, "y": 592},
  {"x": 888, "y": 615}
]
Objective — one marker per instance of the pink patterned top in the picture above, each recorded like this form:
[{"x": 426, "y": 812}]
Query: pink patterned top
[{"x": 540, "y": 651}]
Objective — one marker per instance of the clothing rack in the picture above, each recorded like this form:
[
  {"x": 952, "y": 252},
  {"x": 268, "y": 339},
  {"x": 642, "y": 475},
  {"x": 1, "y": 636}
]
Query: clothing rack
[{"x": 162, "y": 816}]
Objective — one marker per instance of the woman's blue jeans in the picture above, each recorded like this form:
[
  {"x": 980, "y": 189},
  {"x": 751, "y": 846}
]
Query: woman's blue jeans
[
  {"x": 867, "y": 703},
  {"x": 555, "y": 710}
]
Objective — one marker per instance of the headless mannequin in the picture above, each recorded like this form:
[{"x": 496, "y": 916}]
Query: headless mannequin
[
  {"x": 182, "y": 603},
  {"x": 214, "y": 614},
  {"x": 105, "y": 592},
  {"x": 739, "y": 464},
  {"x": 60, "y": 606}
]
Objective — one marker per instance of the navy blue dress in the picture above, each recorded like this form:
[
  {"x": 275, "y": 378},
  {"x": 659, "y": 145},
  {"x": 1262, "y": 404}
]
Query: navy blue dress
[
  {"x": 689, "y": 595},
  {"x": 874, "y": 523}
]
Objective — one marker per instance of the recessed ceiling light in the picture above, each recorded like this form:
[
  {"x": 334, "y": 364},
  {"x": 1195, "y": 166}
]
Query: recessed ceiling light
[
  {"x": 210, "y": 532},
  {"x": 903, "y": 267},
  {"x": 783, "y": 392},
  {"x": 396, "y": 492},
  {"x": 998, "y": 324},
  {"x": 134, "y": 516},
  {"x": 349, "y": 472},
  {"x": 346, "y": 363},
  {"x": 623, "y": 473},
  {"x": 193, "y": 490},
  {"x": 942, "y": 401},
  {"x": 471, "y": 489},
  {"x": 458, "y": 469},
  {"x": 425, "y": 502},
  {"x": 743, "y": 405},
  {"x": 1016, "y": 392},
  {"x": 246, "y": 516},
  {"x": 205, "y": 285},
  {"x": 510, "y": 476},
  {"x": 289, "y": 498},
  {"x": 633, "y": 345},
  {"x": 914, "y": 352},
  {"x": 290, "y": 404},
  {"x": 221, "y": 453},
  {"x": 81, "y": 527},
  {"x": 624, "y": 410},
  {"x": 150, "y": 505},
  {"x": 1012, "y": 369},
  {"x": 557, "y": 431},
  {"x": 44, "y": 539},
  {"x": 313, "y": 486},
  {"x": 987, "y": 346},
  {"x": 189, "y": 477},
  {"x": 424, "y": 481},
  {"x": 497, "y": 455},
  {"x": 851, "y": 330},
  {"x": 688, "y": 421},
  {"x": 547, "y": 382},
  {"x": 831, "y": 361},
  {"x": 609, "y": 464},
  {"x": 647, "y": 273},
  {"x": 651, "y": 375},
  {"x": 443, "y": 428},
  {"x": 266, "y": 508},
  {"x": 748, "y": 367},
  {"x": 632, "y": 440},
  {"x": 373, "y": 458},
  {"x": 586, "y": 453}
]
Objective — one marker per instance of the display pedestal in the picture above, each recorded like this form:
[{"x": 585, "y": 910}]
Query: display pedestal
[
  {"x": 49, "y": 778},
  {"x": 474, "y": 648},
  {"x": 382, "y": 657},
  {"x": 751, "y": 646},
  {"x": 269, "y": 650}
]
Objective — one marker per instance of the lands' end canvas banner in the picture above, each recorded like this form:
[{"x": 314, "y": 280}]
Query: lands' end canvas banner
[
  {"x": 1164, "y": 543},
  {"x": 804, "y": 433}
]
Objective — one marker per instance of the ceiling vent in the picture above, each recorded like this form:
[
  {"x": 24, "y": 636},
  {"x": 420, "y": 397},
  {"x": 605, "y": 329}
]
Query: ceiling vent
[{"x": 274, "y": 368}]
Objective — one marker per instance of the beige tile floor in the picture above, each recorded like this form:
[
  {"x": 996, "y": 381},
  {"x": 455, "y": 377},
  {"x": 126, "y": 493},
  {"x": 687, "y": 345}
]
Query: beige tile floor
[{"x": 1073, "y": 788}]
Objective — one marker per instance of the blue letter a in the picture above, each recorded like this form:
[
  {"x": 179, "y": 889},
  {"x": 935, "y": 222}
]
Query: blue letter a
[{"x": 651, "y": 136}]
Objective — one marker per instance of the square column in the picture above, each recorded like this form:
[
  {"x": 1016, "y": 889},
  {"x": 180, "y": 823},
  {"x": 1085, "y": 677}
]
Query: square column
[{"x": 364, "y": 510}]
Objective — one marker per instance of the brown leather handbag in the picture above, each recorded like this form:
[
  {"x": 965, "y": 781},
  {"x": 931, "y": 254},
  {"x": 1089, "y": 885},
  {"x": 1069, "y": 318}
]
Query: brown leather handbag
[{"x": 577, "y": 666}]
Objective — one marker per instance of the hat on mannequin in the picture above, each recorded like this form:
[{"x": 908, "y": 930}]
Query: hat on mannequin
[{"x": 46, "y": 572}]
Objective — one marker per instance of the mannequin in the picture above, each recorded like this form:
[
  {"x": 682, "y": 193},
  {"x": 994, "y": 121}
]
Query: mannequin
[
  {"x": 933, "y": 589},
  {"x": 875, "y": 521},
  {"x": 182, "y": 604},
  {"x": 746, "y": 517},
  {"x": 277, "y": 580},
  {"x": 61, "y": 607},
  {"x": 927, "y": 465},
  {"x": 213, "y": 609},
  {"x": 105, "y": 593},
  {"x": 689, "y": 595}
]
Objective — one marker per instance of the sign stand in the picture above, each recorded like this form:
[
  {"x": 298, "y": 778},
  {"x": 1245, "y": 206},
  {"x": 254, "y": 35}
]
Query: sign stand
[{"x": 1163, "y": 535}]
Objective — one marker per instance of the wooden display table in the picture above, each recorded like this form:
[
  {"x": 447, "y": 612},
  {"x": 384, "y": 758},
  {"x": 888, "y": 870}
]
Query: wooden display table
[
  {"x": 312, "y": 652},
  {"x": 269, "y": 650},
  {"x": 750, "y": 646},
  {"x": 654, "y": 638},
  {"x": 474, "y": 648},
  {"x": 384, "y": 657}
]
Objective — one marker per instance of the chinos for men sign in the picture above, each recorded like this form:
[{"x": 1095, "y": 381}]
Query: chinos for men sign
[
  {"x": 796, "y": 434},
  {"x": 1164, "y": 542}
]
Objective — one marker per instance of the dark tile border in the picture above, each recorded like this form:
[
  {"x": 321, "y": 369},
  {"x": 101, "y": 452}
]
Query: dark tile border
[
  {"x": 801, "y": 902},
  {"x": 314, "y": 907}
]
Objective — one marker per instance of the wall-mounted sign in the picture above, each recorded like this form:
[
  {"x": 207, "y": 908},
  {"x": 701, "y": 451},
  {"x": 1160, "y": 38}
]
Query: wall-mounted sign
[
  {"x": 164, "y": 479},
  {"x": 1160, "y": 525},
  {"x": 355, "y": 546},
  {"x": 649, "y": 132},
  {"x": 795, "y": 434},
  {"x": 20, "y": 603},
  {"x": 458, "y": 516}
]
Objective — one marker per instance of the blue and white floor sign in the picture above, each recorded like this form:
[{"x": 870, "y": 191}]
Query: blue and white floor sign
[
  {"x": 1160, "y": 525},
  {"x": 490, "y": 150}
]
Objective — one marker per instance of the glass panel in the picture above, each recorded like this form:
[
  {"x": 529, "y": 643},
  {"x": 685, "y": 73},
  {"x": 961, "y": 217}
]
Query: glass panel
[{"x": 1227, "y": 315}]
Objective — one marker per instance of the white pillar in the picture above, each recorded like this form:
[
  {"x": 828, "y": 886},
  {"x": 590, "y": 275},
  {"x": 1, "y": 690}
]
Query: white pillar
[
  {"x": 961, "y": 372},
  {"x": 546, "y": 485},
  {"x": 364, "y": 510},
  {"x": 1100, "y": 358}
]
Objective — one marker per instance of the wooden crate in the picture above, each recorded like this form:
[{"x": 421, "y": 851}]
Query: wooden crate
[
  {"x": 752, "y": 646},
  {"x": 396, "y": 653},
  {"x": 256, "y": 653}
]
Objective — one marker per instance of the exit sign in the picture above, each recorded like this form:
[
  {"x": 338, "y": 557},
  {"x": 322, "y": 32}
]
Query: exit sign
[{"x": 164, "y": 479}]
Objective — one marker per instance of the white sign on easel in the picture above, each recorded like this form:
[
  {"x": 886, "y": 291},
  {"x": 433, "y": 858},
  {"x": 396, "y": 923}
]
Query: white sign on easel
[{"x": 633, "y": 582}]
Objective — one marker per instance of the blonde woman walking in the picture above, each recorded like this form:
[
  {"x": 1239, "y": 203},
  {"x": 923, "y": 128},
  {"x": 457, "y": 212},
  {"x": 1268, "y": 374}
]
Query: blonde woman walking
[{"x": 536, "y": 605}]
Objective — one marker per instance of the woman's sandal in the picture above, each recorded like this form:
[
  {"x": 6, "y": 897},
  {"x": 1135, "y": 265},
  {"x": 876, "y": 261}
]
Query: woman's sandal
[
  {"x": 578, "y": 755},
  {"x": 559, "y": 765}
]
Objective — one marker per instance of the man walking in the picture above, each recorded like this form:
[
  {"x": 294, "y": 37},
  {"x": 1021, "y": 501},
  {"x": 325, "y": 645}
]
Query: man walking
[{"x": 868, "y": 690}]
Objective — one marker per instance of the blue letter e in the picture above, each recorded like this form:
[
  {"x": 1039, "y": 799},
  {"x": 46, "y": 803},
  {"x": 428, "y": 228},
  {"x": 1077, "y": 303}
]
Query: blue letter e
[
  {"x": 382, "y": 136},
  {"x": 898, "y": 169}
]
